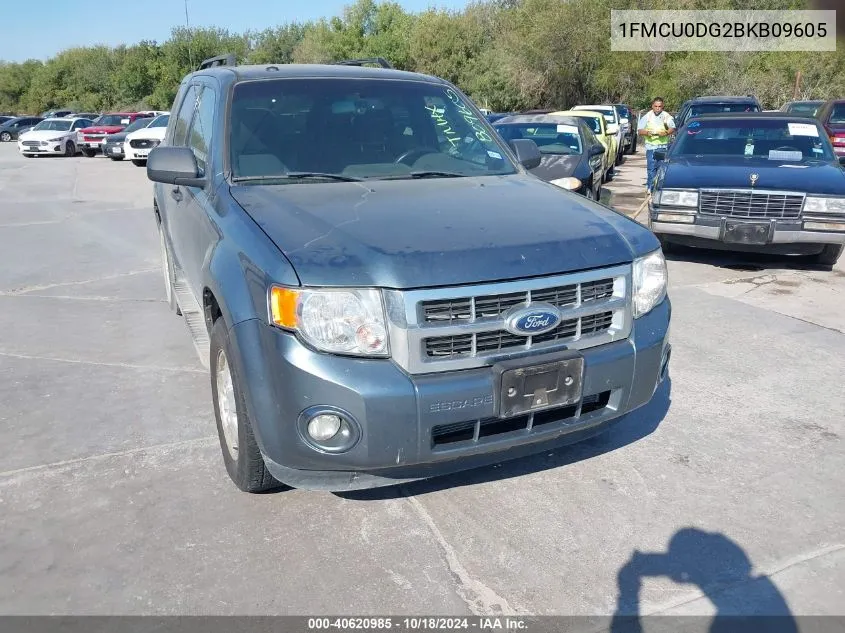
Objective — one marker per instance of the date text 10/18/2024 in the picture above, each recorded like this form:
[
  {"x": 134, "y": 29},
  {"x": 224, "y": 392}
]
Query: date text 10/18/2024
[{"x": 418, "y": 624}]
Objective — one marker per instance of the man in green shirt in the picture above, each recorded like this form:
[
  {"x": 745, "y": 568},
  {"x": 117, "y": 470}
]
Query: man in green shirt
[{"x": 656, "y": 126}]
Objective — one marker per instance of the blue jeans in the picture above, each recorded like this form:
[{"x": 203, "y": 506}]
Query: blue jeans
[{"x": 651, "y": 166}]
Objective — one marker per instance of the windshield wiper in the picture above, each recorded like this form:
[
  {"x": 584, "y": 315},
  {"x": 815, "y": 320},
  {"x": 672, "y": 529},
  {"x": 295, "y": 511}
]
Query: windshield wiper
[
  {"x": 297, "y": 174},
  {"x": 421, "y": 174}
]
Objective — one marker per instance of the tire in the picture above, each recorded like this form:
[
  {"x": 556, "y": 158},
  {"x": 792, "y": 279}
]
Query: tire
[
  {"x": 634, "y": 145},
  {"x": 70, "y": 149},
  {"x": 167, "y": 271},
  {"x": 829, "y": 256},
  {"x": 116, "y": 158},
  {"x": 5, "y": 137},
  {"x": 138, "y": 163},
  {"x": 244, "y": 464},
  {"x": 88, "y": 153}
]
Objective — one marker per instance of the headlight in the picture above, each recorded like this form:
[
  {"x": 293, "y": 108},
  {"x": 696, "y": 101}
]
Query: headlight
[
  {"x": 676, "y": 198},
  {"x": 650, "y": 278},
  {"x": 336, "y": 320},
  {"x": 567, "y": 183},
  {"x": 833, "y": 206},
  {"x": 56, "y": 140}
]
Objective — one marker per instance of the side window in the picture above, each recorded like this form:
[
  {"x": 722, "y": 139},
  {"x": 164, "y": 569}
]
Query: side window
[
  {"x": 199, "y": 139},
  {"x": 183, "y": 119}
]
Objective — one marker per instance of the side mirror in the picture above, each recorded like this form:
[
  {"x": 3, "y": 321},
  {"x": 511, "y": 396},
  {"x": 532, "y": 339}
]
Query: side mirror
[
  {"x": 659, "y": 155},
  {"x": 596, "y": 150},
  {"x": 174, "y": 166},
  {"x": 527, "y": 152},
  {"x": 612, "y": 128}
]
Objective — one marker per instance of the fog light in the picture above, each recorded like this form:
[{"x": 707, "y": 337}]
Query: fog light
[
  {"x": 324, "y": 427},
  {"x": 676, "y": 217}
]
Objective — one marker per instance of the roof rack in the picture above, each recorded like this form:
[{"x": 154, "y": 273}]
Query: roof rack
[
  {"x": 381, "y": 61},
  {"x": 221, "y": 60}
]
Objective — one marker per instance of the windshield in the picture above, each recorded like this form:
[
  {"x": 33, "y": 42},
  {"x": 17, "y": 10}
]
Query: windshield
[
  {"x": 112, "y": 119},
  {"x": 594, "y": 122},
  {"x": 551, "y": 138},
  {"x": 775, "y": 140},
  {"x": 60, "y": 126},
  {"x": 160, "y": 121},
  {"x": 360, "y": 128},
  {"x": 804, "y": 107},
  {"x": 137, "y": 124}
]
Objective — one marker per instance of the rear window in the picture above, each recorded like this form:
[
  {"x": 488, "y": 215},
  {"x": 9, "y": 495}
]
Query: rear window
[
  {"x": 837, "y": 114},
  {"x": 711, "y": 108}
]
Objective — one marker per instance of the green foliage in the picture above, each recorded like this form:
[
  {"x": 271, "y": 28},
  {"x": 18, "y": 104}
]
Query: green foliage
[{"x": 505, "y": 54}]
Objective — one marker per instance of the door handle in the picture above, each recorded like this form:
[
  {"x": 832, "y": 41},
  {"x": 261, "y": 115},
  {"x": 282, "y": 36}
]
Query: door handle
[{"x": 176, "y": 193}]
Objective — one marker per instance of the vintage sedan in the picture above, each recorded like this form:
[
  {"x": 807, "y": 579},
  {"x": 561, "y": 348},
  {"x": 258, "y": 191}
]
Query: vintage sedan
[
  {"x": 757, "y": 182},
  {"x": 571, "y": 156}
]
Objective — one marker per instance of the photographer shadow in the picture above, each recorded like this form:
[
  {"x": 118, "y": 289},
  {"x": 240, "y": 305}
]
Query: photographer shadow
[{"x": 721, "y": 569}]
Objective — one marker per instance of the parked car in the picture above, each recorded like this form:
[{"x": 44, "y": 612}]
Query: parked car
[
  {"x": 599, "y": 126},
  {"x": 571, "y": 156},
  {"x": 832, "y": 117},
  {"x": 807, "y": 108},
  {"x": 56, "y": 114},
  {"x": 5, "y": 118},
  {"x": 498, "y": 316},
  {"x": 52, "y": 136},
  {"x": 138, "y": 144},
  {"x": 91, "y": 138},
  {"x": 614, "y": 126},
  {"x": 713, "y": 104},
  {"x": 762, "y": 182},
  {"x": 112, "y": 145},
  {"x": 495, "y": 116},
  {"x": 11, "y": 129},
  {"x": 631, "y": 120}
]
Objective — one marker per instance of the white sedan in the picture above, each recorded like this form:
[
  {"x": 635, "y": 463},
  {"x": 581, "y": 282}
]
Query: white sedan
[
  {"x": 52, "y": 136},
  {"x": 138, "y": 144}
]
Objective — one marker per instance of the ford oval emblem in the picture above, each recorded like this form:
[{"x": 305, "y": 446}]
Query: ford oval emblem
[{"x": 538, "y": 318}]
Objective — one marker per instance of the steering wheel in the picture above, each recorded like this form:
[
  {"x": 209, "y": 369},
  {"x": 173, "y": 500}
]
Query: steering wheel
[{"x": 416, "y": 152}]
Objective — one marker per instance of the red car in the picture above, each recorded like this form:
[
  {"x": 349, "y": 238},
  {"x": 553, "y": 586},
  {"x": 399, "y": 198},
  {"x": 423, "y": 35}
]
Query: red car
[{"x": 89, "y": 139}]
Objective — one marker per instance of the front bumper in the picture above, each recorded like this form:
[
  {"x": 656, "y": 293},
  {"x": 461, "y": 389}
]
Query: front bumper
[
  {"x": 50, "y": 148},
  {"x": 90, "y": 145},
  {"x": 112, "y": 149},
  {"x": 405, "y": 420},
  {"x": 782, "y": 236}
]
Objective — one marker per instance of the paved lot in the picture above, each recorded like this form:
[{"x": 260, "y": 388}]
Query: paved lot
[{"x": 114, "y": 499}]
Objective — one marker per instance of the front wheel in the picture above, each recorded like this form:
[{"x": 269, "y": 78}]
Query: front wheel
[
  {"x": 241, "y": 454},
  {"x": 70, "y": 149},
  {"x": 829, "y": 256},
  {"x": 116, "y": 157},
  {"x": 89, "y": 153},
  {"x": 5, "y": 137},
  {"x": 138, "y": 163}
]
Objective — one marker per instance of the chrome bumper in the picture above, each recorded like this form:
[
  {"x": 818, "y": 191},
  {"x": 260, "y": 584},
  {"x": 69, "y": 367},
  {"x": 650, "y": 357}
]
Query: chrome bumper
[{"x": 780, "y": 235}]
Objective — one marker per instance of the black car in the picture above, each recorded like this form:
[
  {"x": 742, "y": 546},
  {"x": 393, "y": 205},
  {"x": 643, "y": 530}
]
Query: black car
[
  {"x": 627, "y": 114},
  {"x": 571, "y": 155},
  {"x": 113, "y": 143},
  {"x": 10, "y": 130},
  {"x": 761, "y": 182},
  {"x": 715, "y": 104}
]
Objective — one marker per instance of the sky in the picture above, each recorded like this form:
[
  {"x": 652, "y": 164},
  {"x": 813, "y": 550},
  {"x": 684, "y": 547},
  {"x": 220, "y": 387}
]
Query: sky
[{"x": 58, "y": 24}]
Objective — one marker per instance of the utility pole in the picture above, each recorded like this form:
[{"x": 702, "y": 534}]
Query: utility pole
[{"x": 797, "y": 85}]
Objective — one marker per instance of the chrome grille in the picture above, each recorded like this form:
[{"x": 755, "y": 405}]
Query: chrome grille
[
  {"x": 494, "y": 306},
  {"x": 142, "y": 143},
  {"x": 30, "y": 143},
  {"x": 747, "y": 203},
  {"x": 445, "y": 329}
]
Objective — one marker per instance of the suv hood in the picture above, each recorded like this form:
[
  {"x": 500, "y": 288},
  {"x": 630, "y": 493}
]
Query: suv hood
[
  {"x": 735, "y": 172},
  {"x": 102, "y": 129},
  {"x": 432, "y": 232}
]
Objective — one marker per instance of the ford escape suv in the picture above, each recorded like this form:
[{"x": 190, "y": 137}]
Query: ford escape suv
[{"x": 380, "y": 289}]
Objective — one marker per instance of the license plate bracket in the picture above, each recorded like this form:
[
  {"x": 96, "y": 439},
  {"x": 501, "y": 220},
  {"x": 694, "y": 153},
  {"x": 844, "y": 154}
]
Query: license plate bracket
[
  {"x": 530, "y": 388},
  {"x": 757, "y": 233}
]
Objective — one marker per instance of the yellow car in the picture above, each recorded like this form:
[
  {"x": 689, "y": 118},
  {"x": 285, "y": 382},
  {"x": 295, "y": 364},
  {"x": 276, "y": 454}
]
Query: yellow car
[{"x": 606, "y": 137}]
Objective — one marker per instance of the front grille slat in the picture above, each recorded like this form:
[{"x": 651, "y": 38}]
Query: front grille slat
[{"x": 751, "y": 204}]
